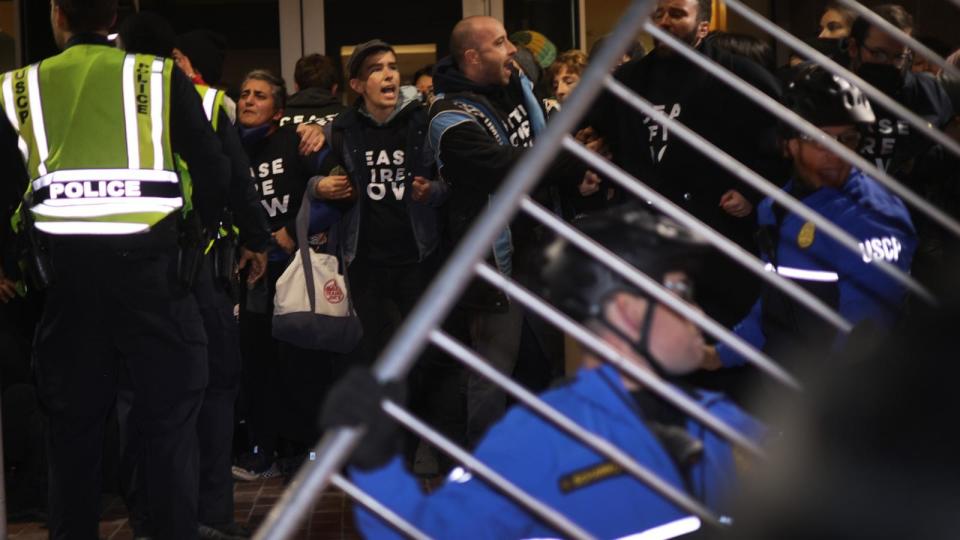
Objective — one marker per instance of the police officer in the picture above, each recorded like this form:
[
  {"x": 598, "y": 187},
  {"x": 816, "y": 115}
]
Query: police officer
[
  {"x": 541, "y": 459},
  {"x": 798, "y": 251},
  {"x": 151, "y": 34},
  {"x": 97, "y": 130}
]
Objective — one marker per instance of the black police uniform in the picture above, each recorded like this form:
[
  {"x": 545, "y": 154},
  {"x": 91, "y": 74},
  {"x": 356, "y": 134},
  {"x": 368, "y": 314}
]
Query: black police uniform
[{"x": 116, "y": 308}]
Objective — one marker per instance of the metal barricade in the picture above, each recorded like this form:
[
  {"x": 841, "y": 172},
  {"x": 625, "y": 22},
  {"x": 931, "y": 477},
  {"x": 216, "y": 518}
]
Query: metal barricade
[{"x": 421, "y": 326}]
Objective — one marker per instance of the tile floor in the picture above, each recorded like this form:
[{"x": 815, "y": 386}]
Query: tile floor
[{"x": 331, "y": 519}]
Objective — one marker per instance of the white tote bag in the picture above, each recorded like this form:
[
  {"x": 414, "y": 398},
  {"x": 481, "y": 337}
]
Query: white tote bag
[{"x": 312, "y": 307}]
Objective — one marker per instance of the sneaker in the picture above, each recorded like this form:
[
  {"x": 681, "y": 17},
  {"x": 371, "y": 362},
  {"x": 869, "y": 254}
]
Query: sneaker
[
  {"x": 251, "y": 475},
  {"x": 232, "y": 531},
  {"x": 252, "y": 467}
]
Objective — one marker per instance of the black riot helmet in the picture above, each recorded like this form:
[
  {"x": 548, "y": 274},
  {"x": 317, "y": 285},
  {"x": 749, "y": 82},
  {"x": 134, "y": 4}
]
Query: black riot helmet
[
  {"x": 823, "y": 99},
  {"x": 580, "y": 285}
]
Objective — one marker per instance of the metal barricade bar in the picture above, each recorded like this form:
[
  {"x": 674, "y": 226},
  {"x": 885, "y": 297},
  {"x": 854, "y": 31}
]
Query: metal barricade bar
[
  {"x": 731, "y": 249},
  {"x": 761, "y": 184},
  {"x": 876, "y": 96},
  {"x": 662, "y": 295},
  {"x": 649, "y": 381},
  {"x": 332, "y": 452},
  {"x": 373, "y": 505},
  {"x": 475, "y": 466},
  {"x": 564, "y": 423},
  {"x": 436, "y": 302},
  {"x": 876, "y": 20},
  {"x": 796, "y": 121}
]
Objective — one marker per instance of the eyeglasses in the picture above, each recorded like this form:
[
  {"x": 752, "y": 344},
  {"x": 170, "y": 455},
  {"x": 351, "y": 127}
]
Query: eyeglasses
[
  {"x": 884, "y": 57},
  {"x": 850, "y": 139},
  {"x": 680, "y": 287}
]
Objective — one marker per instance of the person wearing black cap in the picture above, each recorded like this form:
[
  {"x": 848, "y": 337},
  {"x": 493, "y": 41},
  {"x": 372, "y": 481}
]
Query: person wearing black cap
[
  {"x": 797, "y": 250},
  {"x": 200, "y": 55},
  {"x": 390, "y": 237},
  {"x": 147, "y": 33},
  {"x": 540, "y": 458}
]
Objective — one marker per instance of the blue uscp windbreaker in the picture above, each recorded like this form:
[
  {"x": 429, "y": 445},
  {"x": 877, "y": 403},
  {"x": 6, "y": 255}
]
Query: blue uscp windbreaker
[
  {"x": 872, "y": 215},
  {"x": 563, "y": 472}
]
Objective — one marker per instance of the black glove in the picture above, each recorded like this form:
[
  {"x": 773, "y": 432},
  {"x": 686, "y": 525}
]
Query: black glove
[{"x": 354, "y": 401}]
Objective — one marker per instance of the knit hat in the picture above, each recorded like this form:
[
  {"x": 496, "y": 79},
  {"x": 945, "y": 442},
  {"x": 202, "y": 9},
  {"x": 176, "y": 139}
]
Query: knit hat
[
  {"x": 544, "y": 51},
  {"x": 205, "y": 49},
  {"x": 147, "y": 33},
  {"x": 531, "y": 68}
]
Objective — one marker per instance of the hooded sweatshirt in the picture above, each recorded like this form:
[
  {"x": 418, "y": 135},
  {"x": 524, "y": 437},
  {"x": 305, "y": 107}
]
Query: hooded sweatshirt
[
  {"x": 474, "y": 157},
  {"x": 385, "y": 226},
  {"x": 311, "y": 106}
]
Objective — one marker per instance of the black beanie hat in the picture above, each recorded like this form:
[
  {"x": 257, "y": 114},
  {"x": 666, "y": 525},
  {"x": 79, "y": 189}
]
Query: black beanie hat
[
  {"x": 147, "y": 33},
  {"x": 205, "y": 49}
]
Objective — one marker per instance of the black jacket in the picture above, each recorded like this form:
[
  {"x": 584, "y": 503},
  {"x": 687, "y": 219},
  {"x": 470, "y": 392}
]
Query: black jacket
[
  {"x": 347, "y": 145},
  {"x": 474, "y": 164},
  {"x": 311, "y": 105},
  {"x": 244, "y": 202},
  {"x": 709, "y": 107}
]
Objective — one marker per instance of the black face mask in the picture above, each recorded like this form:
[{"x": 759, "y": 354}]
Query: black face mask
[{"x": 888, "y": 79}]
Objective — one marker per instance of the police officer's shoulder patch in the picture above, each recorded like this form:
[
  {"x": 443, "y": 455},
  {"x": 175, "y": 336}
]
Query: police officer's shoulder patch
[
  {"x": 587, "y": 476},
  {"x": 807, "y": 235}
]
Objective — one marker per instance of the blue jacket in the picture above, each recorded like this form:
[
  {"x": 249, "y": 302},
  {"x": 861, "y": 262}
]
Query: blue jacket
[
  {"x": 860, "y": 292},
  {"x": 544, "y": 461}
]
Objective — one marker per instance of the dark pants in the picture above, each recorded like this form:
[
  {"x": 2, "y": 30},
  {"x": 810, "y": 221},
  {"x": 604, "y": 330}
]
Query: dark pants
[
  {"x": 496, "y": 338},
  {"x": 215, "y": 422},
  {"x": 258, "y": 404},
  {"x": 110, "y": 312},
  {"x": 283, "y": 385},
  {"x": 384, "y": 296}
]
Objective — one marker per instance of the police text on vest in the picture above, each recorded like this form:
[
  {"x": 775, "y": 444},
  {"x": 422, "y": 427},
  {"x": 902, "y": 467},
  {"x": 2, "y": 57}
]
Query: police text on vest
[{"x": 95, "y": 189}]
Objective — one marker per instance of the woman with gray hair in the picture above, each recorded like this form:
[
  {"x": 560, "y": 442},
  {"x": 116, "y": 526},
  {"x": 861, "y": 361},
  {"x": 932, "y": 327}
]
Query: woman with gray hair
[{"x": 271, "y": 399}]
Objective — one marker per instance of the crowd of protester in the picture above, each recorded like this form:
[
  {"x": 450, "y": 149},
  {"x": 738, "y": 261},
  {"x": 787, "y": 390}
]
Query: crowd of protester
[{"x": 395, "y": 179}]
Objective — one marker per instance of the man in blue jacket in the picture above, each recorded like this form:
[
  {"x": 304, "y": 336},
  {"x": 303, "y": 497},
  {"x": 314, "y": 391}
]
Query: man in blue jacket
[
  {"x": 797, "y": 250},
  {"x": 542, "y": 460}
]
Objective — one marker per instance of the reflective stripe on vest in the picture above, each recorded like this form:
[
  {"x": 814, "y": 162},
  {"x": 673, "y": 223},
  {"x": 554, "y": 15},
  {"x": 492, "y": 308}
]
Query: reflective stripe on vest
[
  {"x": 11, "y": 111},
  {"x": 212, "y": 102},
  {"x": 39, "y": 132},
  {"x": 117, "y": 196},
  {"x": 210, "y": 96},
  {"x": 804, "y": 274}
]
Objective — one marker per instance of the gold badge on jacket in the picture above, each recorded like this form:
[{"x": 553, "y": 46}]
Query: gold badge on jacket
[{"x": 807, "y": 233}]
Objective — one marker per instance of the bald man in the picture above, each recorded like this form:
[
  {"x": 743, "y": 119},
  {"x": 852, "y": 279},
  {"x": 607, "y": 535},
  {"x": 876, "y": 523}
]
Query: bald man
[{"x": 484, "y": 119}]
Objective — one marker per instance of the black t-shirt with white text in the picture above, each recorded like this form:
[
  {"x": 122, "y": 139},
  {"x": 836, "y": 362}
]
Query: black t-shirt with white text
[
  {"x": 386, "y": 235},
  {"x": 280, "y": 174}
]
